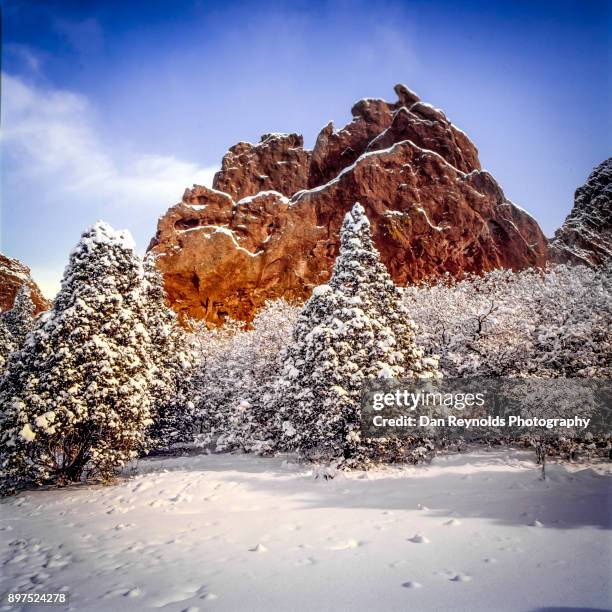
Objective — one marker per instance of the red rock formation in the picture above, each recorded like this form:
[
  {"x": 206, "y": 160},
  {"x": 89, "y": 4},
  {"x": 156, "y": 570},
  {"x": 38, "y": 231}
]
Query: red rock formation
[
  {"x": 432, "y": 209},
  {"x": 378, "y": 124},
  {"x": 278, "y": 162},
  {"x": 13, "y": 274}
]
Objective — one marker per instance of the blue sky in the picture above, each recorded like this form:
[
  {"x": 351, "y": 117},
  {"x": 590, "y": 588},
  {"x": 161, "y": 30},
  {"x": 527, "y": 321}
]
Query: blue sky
[{"x": 110, "y": 109}]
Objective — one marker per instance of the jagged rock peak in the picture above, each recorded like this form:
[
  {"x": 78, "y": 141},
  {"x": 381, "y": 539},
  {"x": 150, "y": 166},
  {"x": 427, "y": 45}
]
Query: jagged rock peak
[
  {"x": 586, "y": 234},
  {"x": 278, "y": 162},
  {"x": 405, "y": 96},
  {"x": 378, "y": 124}
]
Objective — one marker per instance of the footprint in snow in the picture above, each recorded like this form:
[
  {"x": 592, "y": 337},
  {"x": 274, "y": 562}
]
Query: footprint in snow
[
  {"x": 121, "y": 526},
  {"x": 258, "y": 548},
  {"x": 40, "y": 578},
  {"x": 181, "y": 497},
  {"x": 114, "y": 593},
  {"x": 117, "y": 510},
  {"x": 453, "y": 523},
  {"x": 179, "y": 596},
  {"x": 136, "y": 592},
  {"x": 306, "y": 561},
  {"x": 142, "y": 486},
  {"x": 490, "y": 560},
  {"x": 411, "y": 584},
  {"x": 536, "y": 523},
  {"x": 349, "y": 544},
  {"x": 158, "y": 503},
  {"x": 419, "y": 539},
  {"x": 461, "y": 578}
]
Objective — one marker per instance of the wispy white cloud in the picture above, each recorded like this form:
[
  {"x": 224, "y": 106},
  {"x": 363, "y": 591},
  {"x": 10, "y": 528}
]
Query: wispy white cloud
[
  {"x": 54, "y": 155},
  {"x": 51, "y": 134},
  {"x": 23, "y": 55}
]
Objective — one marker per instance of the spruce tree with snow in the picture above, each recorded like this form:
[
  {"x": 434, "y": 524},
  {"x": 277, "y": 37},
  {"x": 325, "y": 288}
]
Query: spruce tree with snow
[
  {"x": 16, "y": 323},
  {"x": 75, "y": 398},
  {"x": 353, "y": 329},
  {"x": 171, "y": 392}
]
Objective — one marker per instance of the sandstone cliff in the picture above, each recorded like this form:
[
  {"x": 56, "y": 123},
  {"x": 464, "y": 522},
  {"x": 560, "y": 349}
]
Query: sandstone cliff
[
  {"x": 13, "y": 274},
  {"x": 269, "y": 228}
]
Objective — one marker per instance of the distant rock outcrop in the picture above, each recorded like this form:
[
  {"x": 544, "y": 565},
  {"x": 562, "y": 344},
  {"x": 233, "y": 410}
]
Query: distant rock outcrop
[
  {"x": 269, "y": 228},
  {"x": 586, "y": 234},
  {"x": 14, "y": 274}
]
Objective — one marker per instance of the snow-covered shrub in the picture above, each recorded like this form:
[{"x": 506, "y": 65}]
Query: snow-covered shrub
[
  {"x": 173, "y": 353},
  {"x": 549, "y": 399},
  {"x": 16, "y": 323},
  {"x": 551, "y": 323},
  {"x": 75, "y": 399},
  {"x": 555, "y": 323},
  {"x": 236, "y": 372},
  {"x": 353, "y": 329}
]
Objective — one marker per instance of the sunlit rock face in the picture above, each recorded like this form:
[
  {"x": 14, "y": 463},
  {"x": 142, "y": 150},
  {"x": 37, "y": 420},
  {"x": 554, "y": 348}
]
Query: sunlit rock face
[{"x": 269, "y": 228}]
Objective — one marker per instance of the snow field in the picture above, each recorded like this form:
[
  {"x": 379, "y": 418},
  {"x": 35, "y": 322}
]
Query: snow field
[{"x": 478, "y": 531}]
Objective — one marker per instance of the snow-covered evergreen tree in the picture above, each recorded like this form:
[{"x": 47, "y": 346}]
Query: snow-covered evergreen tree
[
  {"x": 75, "y": 399},
  {"x": 353, "y": 329},
  {"x": 173, "y": 354},
  {"x": 16, "y": 323}
]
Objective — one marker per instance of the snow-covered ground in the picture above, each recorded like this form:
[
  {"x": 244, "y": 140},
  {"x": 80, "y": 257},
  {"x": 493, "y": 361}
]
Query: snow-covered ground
[{"x": 477, "y": 531}]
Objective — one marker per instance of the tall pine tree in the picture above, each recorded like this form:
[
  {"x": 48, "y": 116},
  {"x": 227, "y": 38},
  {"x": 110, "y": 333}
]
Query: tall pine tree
[
  {"x": 353, "y": 329},
  {"x": 75, "y": 398}
]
